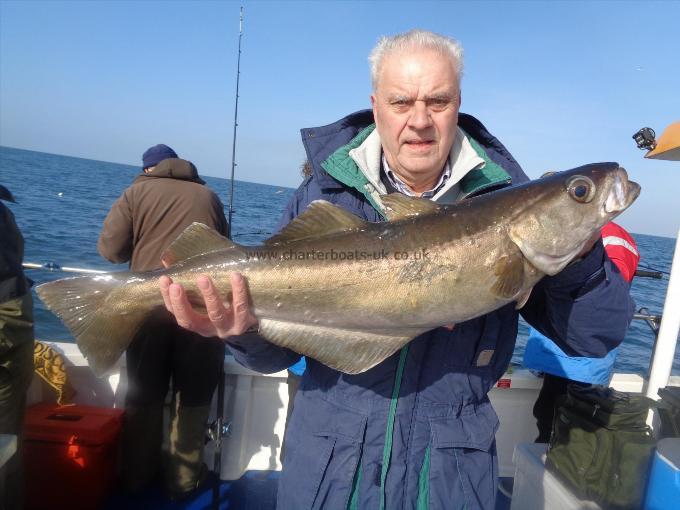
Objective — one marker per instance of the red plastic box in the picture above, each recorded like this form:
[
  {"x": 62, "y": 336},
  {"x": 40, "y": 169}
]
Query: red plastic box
[{"x": 70, "y": 455}]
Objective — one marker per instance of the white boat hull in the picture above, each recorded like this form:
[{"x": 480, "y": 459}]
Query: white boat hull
[{"x": 256, "y": 404}]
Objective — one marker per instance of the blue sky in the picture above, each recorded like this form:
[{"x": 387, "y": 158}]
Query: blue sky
[{"x": 560, "y": 84}]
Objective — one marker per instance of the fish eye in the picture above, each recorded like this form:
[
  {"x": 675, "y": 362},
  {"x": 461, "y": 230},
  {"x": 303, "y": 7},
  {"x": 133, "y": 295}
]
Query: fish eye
[{"x": 581, "y": 189}]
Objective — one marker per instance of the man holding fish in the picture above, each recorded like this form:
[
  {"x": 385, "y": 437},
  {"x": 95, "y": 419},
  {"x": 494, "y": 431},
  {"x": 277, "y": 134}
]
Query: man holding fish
[
  {"x": 393, "y": 410},
  {"x": 418, "y": 429}
]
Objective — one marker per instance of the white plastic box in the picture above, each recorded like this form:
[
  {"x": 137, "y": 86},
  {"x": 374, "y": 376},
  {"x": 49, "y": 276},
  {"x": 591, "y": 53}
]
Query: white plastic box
[
  {"x": 255, "y": 406},
  {"x": 536, "y": 488}
]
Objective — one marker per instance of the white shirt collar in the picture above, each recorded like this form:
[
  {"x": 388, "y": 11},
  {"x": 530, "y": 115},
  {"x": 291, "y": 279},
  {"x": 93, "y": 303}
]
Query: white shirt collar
[
  {"x": 462, "y": 159},
  {"x": 402, "y": 187}
]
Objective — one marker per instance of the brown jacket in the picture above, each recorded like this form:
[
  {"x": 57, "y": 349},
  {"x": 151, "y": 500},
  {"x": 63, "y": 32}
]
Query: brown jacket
[{"x": 154, "y": 211}]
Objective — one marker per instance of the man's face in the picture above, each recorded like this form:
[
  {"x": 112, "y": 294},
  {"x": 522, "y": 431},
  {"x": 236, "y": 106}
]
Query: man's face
[{"x": 416, "y": 112}]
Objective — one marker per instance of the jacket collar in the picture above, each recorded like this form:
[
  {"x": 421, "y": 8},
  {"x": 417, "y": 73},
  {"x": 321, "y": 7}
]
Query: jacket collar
[
  {"x": 463, "y": 159},
  {"x": 321, "y": 142},
  {"x": 334, "y": 168},
  {"x": 173, "y": 168}
]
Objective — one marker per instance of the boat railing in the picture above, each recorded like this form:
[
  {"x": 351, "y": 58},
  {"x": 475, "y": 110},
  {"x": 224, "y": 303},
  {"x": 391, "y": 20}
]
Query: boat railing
[{"x": 663, "y": 350}]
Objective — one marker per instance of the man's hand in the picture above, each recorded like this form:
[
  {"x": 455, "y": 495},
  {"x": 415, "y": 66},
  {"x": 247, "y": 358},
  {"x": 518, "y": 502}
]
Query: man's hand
[{"x": 223, "y": 319}]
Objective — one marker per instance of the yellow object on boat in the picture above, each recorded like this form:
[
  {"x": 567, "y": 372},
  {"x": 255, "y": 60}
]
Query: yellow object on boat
[
  {"x": 668, "y": 144},
  {"x": 51, "y": 368}
]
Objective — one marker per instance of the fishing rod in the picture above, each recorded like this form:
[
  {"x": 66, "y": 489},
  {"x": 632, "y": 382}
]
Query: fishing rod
[
  {"x": 658, "y": 275},
  {"x": 643, "y": 314},
  {"x": 219, "y": 429},
  {"x": 654, "y": 269},
  {"x": 51, "y": 266},
  {"x": 652, "y": 320},
  {"x": 233, "y": 143},
  {"x": 256, "y": 232}
]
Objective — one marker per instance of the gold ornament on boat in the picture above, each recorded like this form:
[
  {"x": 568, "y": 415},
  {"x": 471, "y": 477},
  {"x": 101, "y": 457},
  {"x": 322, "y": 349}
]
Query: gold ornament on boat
[{"x": 51, "y": 368}]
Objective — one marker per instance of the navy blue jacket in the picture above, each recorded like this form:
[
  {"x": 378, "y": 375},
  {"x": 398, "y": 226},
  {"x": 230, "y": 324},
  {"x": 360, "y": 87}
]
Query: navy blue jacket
[{"x": 443, "y": 448}]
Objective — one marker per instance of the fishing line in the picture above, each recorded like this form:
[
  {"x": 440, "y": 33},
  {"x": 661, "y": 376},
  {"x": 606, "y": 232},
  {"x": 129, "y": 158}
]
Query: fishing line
[
  {"x": 257, "y": 232},
  {"x": 654, "y": 269}
]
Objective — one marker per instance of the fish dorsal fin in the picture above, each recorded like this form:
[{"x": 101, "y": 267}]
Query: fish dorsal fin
[
  {"x": 197, "y": 239},
  {"x": 321, "y": 218},
  {"x": 399, "y": 207}
]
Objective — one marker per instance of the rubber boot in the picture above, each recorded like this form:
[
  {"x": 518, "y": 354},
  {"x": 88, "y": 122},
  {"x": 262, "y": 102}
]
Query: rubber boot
[
  {"x": 185, "y": 470},
  {"x": 142, "y": 437}
]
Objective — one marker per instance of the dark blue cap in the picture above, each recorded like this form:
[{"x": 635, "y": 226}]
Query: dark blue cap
[{"x": 156, "y": 154}]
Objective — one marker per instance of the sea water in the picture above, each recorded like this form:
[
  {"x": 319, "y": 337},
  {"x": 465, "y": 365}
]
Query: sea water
[{"x": 62, "y": 202}]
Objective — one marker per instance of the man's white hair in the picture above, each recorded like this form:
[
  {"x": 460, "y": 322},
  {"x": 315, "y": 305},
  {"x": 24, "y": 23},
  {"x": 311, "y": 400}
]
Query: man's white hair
[{"x": 414, "y": 39}]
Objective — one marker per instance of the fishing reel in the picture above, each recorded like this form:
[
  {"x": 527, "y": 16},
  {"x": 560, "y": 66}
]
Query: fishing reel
[
  {"x": 645, "y": 139},
  {"x": 216, "y": 431}
]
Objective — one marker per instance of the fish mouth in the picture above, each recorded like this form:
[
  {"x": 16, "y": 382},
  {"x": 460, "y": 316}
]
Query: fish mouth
[{"x": 622, "y": 193}]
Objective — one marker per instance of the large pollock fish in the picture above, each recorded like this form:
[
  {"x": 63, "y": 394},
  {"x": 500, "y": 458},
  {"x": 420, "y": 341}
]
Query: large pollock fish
[{"x": 350, "y": 293}]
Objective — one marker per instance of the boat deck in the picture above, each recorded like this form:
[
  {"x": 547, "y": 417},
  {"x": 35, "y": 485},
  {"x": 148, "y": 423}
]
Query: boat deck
[
  {"x": 255, "y": 406},
  {"x": 255, "y": 490}
]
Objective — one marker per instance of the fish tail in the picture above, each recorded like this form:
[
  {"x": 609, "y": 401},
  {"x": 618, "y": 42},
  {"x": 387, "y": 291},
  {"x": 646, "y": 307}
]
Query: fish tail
[{"x": 87, "y": 305}]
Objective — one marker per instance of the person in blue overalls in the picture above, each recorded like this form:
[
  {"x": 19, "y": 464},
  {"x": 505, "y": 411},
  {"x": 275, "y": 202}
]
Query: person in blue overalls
[{"x": 418, "y": 429}]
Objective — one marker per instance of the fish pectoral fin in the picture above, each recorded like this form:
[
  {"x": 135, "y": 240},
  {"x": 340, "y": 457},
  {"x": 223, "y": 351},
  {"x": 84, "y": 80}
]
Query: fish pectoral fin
[
  {"x": 510, "y": 272},
  {"x": 522, "y": 298},
  {"x": 321, "y": 218},
  {"x": 349, "y": 351},
  {"x": 197, "y": 239},
  {"x": 398, "y": 206}
]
